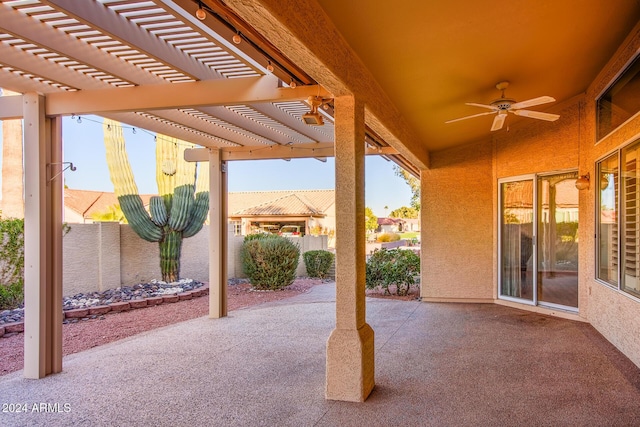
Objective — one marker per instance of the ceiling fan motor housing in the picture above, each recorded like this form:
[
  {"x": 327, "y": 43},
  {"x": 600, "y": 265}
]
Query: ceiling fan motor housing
[{"x": 503, "y": 103}]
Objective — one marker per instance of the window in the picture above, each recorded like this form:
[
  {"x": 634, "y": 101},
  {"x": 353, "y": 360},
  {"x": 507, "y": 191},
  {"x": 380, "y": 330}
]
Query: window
[
  {"x": 630, "y": 220},
  {"x": 236, "y": 227},
  {"x": 618, "y": 224},
  {"x": 607, "y": 261},
  {"x": 620, "y": 101}
]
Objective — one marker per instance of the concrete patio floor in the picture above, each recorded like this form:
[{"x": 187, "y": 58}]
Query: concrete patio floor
[{"x": 436, "y": 365}]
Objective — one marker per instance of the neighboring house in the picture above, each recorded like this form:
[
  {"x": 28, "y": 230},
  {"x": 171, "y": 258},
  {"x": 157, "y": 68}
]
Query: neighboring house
[
  {"x": 268, "y": 211},
  {"x": 79, "y": 205},
  {"x": 398, "y": 225},
  {"x": 390, "y": 225},
  {"x": 248, "y": 212}
]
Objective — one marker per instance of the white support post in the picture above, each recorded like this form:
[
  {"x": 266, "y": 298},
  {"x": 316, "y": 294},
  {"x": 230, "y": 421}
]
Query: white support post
[
  {"x": 217, "y": 235},
  {"x": 43, "y": 241}
]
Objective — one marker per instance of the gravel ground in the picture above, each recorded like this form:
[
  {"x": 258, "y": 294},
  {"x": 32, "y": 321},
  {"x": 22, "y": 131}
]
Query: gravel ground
[{"x": 83, "y": 335}]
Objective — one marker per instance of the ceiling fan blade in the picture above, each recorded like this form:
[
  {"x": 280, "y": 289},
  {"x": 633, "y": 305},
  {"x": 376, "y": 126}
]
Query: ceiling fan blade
[
  {"x": 532, "y": 102},
  {"x": 470, "y": 117},
  {"x": 473, "y": 104},
  {"x": 498, "y": 121},
  {"x": 537, "y": 115}
]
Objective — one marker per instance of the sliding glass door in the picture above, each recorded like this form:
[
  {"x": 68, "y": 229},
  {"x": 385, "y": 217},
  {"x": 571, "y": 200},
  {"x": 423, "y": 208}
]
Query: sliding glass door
[
  {"x": 539, "y": 240},
  {"x": 516, "y": 239}
]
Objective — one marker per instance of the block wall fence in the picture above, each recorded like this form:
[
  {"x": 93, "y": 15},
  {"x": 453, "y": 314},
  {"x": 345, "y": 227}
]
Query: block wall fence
[{"x": 101, "y": 256}]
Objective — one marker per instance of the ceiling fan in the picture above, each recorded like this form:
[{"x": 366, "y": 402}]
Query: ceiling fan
[{"x": 503, "y": 105}]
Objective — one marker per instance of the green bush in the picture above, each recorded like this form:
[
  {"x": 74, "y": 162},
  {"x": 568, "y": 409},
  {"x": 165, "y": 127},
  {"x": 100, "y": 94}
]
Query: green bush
[
  {"x": 256, "y": 236},
  {"x": 387, "y": 267},
  {"x": 318, "y": 263},
  {"x": 11, "y": 296},
  {"x": 11, "y": 262},
  {"x": 270, "y": 262},
  {"x": 388, "y": 237}
]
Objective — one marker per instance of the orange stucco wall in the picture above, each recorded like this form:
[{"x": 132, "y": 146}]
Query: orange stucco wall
[
  {"x": 459, "y": 206},
  {"x": 614, "y": 313},
  {"x": 457, "y": 223}
]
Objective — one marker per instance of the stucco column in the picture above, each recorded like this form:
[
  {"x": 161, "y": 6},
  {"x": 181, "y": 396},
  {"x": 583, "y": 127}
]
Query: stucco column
[
  {"x": 42, "y": 240},
  {"x": 217, "y": 235},
  {"x": 350, "y": 348}
]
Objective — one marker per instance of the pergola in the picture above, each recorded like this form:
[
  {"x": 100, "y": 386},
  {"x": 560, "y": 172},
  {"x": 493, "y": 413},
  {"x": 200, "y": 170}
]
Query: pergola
[
  {"x": 239, "y": 82},
  {"x": 156, "y": 66}
]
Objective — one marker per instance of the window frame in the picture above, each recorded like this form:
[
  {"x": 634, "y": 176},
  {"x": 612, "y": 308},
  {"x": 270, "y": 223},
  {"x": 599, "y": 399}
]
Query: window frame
[
  {"x": 618, "y": 152},
  {"x": 633, "y": 61}
]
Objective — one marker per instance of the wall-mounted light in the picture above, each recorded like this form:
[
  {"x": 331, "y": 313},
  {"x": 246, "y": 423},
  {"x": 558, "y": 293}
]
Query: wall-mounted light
[
  {"x": 236, "y": 38},
  {"x": 582, "y": 183},
  {"x": 200, "y": 13}
]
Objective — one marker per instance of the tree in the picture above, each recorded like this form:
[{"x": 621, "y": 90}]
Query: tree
[
  {"x": 111, "y": 214},
  {"x": 371, "y": 221},
  {"x": 182, "y": 206},
  {"x": 404, "y": 212},
  {"x": 414, "y": 184}
]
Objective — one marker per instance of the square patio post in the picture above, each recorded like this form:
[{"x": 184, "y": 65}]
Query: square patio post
[
  {"x": 217, "y": 235},
  {"x": 350, "y": 348},
  {"x": 42, "y": 240}
]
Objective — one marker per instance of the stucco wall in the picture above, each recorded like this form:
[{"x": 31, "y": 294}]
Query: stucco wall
[
  {"x": 102, "y": 256},
  {"x": 457, "y": 223},
  {"x": 612, "y": 312},
  {"x": 459, "y": 200}
]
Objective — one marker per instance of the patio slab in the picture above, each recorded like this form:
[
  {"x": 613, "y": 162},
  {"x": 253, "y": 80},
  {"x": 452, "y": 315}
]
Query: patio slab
[{"x": 436, "y": 364}]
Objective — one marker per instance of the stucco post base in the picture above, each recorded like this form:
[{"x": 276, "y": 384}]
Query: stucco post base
[{"x": 350, "y": 364}]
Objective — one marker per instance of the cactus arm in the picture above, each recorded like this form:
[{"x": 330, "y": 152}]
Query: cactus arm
[
  {"x": 200, "y": 211},
  {"x": 138, "y": 218},
  {"x": 181, "y": 209},
  {"x": 124, "y": 184},
  {"x": 158, "y": 211}
]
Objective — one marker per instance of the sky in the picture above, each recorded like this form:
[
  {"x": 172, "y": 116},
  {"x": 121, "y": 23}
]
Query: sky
[{"x": 84, "y": 147}]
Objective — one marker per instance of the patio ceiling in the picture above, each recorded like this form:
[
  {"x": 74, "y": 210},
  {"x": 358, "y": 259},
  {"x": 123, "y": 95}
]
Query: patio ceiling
[
  {"x": 151, "y": 64},
  {"x": 431, "y": 57}
]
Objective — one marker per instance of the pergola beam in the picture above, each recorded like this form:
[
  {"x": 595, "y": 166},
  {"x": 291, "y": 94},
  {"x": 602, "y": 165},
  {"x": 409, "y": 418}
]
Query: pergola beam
[
  {"x": 297, "y": 151},
  {"x": 177, "y": 95}
]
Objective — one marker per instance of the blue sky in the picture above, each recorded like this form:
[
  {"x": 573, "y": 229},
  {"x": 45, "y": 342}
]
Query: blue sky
[{"x": 84, "y": 146}]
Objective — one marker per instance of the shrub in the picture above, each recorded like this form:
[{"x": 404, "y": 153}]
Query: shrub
[
  {"x": 387, "y": 267},
  {"x": 388, "y": 237},
  {"x": 11, "y": 296},
  {"x": 269, "y": 262},
  {"x": 318, "y": 263},
  {"x": 11, "y": 263},
  {"x": 256, "y": 236}
]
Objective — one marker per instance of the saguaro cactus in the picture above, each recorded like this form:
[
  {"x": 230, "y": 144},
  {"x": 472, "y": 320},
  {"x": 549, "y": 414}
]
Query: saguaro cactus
[{"x": 182, "y": 206}]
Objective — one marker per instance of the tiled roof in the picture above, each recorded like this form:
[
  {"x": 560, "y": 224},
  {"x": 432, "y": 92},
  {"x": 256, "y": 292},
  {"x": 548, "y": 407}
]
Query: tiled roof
[
  {"x": 389, "y": 221},
  {"x": 86, "y": 202},
  {"x": 247, "y": 203},
  {"x": 286, "y": 202}
]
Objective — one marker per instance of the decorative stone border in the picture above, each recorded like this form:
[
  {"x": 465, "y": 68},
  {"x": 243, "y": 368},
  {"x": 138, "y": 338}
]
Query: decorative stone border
[{"x": 116, "y": 307}]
